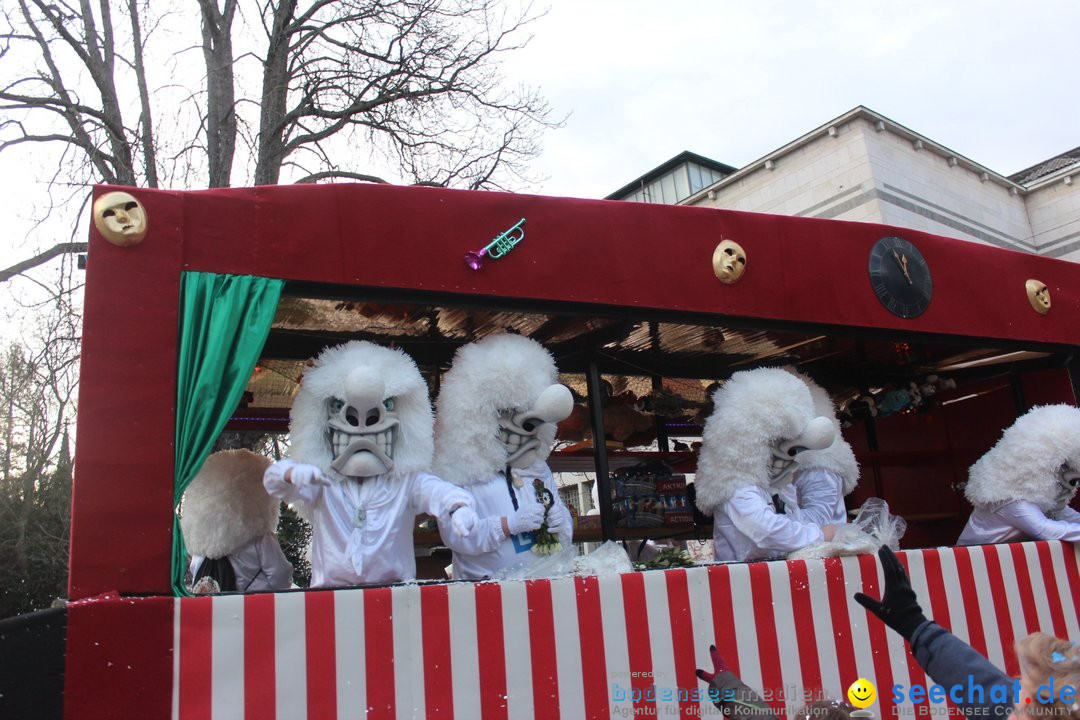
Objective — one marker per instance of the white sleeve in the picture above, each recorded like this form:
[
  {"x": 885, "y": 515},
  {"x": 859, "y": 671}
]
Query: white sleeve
[
  {"x": 435, "y": 496},
  {"x": 819, "y": 494},
  {"x": 1030, "y": 520},
  {"x": 484, "y": 538},
  {"x": 753, "y": 516},
  {"x": 1067, "y": 514},
  {"x": 275, "y": 484}
]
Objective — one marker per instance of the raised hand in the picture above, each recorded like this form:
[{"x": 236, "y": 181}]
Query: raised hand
[{"x": 899, "y": 607}]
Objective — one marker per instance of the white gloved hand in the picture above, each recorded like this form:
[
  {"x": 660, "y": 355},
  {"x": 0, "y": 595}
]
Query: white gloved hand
[
  {"x": 301, "y": 475},
  {"x": 462, "y": 520},
  {"x": 556, "y": 520},
  {"x": 526, "y": 518}
]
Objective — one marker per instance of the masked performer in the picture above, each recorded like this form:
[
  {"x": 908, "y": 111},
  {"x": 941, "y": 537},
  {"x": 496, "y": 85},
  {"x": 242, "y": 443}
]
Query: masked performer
[
  {"x": 763, "y": 420},
  {"x": 229, "y": 523},
  {"x": 825, "y": 476},
  {"x": 1022, "y": 487},
  {"x": 361, "y": 430},
  {"x": 497, "y": 412}
]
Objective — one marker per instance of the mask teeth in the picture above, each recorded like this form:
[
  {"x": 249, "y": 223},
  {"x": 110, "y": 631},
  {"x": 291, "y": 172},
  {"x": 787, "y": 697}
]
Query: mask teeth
[
  {"x": 384, "y": 441},
  {"x": 511, "y": 440}
]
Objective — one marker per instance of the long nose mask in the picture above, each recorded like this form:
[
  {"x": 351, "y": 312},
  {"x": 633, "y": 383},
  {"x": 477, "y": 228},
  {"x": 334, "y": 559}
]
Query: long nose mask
[
  {"x": 361, "y": 426},
  {"x": 817, "y": 435},
  {"x": 526, "y": 433}
]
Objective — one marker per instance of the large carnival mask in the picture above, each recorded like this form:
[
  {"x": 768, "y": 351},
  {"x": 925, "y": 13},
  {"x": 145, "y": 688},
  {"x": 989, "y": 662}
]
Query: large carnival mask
[
  {"x": 361, "y": 426},
  {"x": 817, "y": 435},
  {"x": 1068, "y": 483},
  {"x": 120, "y": 218},
  {"x": 729, "y": 262},
  {"x": 1038, "y": 295},
  {"x": 526, "y": 432}
]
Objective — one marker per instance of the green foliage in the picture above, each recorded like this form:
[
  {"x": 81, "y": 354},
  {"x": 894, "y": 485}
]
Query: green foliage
[
  {"x": 294, "y": 536},
  {"x": 34, "y": 573}
]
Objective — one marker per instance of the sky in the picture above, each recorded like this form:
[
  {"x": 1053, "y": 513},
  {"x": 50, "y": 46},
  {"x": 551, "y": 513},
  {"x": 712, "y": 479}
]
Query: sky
[
  {"x": 638, "y": 82},
  {"x": 642, "y": 81}
]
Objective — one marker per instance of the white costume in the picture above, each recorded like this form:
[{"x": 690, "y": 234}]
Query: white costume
[
  {"x": 825, "y": 476},
  {"x": 1022, "y": 487},
  {"x": 381, "y": 548},
  {"x": 497, "y": 410},
  {"x": 763, "y": 420},
  {"x": 226, "y": 513},
  {"x": 487, "y": 549},
  {"x": 361, "y": 431}
]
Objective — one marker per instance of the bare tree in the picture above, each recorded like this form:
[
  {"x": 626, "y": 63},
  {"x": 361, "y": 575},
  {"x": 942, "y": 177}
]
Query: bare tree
[
  {"x": 37, "y": 395},
  {"x": 345, "y": 89}
]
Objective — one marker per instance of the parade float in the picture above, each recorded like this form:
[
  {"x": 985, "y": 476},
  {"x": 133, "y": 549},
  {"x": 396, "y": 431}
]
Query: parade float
[{"x": 933, "y": 346}]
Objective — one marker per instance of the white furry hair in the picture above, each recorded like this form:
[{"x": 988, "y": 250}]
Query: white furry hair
[
  {"x": 752, "y": 409},
  {"x": 838, "y": 457},
  {"x": 226, "y": 505},
  {"x": 308, "y": 435},
  {"x": 1024, "y": 463},
  {"x": 499, "y": 372}
]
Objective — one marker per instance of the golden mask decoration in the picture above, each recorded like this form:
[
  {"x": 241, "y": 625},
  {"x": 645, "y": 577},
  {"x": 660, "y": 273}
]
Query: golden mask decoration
[
  {"x": 1038, "y": 295},
  {"x": 729, "y": 262},
  {"x": 120, "y": 218}
]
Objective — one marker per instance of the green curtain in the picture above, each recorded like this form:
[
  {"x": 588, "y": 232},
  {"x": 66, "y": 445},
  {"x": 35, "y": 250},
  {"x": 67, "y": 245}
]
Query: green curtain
[{"x": 224, "y": 321}]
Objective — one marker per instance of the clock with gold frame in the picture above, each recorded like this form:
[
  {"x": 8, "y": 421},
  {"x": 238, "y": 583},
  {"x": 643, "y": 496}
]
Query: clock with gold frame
[{"x": 900, "y": 277}]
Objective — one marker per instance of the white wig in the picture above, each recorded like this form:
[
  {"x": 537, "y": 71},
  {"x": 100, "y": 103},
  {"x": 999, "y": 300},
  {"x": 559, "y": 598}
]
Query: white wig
[
  {"x": 226, "y": 506},
  {"x": 308, "y": 430},
  {"x": 838, "y": 457},
  {"x": 753, "y": 409},
  {"x": 499, "y": 372},
  {"x": 1024, "y": 463}
]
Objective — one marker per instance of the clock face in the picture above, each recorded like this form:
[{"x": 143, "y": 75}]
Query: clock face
[{"x": 900, "y": 277}]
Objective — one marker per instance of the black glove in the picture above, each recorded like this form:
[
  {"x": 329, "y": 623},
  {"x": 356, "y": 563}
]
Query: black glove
[{"x": 898, "y": 607}]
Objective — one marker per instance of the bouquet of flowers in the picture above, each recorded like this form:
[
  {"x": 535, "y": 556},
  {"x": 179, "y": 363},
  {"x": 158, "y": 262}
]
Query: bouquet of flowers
[{"x": 546, "y": 543}]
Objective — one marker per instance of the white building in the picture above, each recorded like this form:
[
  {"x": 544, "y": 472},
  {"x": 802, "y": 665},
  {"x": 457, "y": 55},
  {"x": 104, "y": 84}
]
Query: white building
[{"x": 863, "y": 166}]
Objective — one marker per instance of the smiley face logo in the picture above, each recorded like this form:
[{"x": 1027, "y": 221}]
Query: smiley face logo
[{"x": 862, "y": 693}]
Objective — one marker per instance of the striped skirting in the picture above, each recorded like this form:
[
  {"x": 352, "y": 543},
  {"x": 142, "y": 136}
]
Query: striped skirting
[{"x": 616, "y": 646}]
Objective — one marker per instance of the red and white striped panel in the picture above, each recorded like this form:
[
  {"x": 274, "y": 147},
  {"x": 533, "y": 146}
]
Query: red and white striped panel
[{"x": 585, "y": 647}]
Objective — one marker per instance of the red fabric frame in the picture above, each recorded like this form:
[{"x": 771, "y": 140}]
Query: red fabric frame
[{"x": 607, "y": 253}]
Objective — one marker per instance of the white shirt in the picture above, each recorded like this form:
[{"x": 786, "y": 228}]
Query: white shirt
[
  {"x": 259, "y": 566},
  {"x": 486, "y": 550},
  {"x": 821, "y": 496},
  {"x": 362, "y": 530},
  {"x": 747, "y": 527},
  {"x": 1019, "y": 520}
]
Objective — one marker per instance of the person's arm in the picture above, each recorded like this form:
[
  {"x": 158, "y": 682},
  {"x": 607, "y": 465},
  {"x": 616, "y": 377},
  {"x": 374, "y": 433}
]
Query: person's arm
[
  {"x": 732, "y": 697},
  {"x": 947, "y": 659},
  {"x": 445, "y": 502},
  {"x": 485, "y": 536},
  {"x": 1067, "y": 514},
  {"x": 1030, "y": 520},
  {"x": 753, "y": 516},
  {"x": 293, "y": 482},
  {"x": 819, "y": 494}
]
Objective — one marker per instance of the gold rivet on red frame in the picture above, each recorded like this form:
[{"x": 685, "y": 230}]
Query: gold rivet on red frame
[
  {"x": 120, "y": 218},
  {"x": 729, "y": 262}
]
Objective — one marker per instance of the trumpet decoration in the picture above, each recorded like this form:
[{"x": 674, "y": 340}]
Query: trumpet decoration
[{"x": 503, "y": 243}]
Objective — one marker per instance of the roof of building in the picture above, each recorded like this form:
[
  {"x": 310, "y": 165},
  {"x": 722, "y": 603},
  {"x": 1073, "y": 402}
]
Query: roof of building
[
  {"x": 659, "y": 170},
  {"x": 881, "y": 123},
  {"x": 1046, "y": 167}
]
